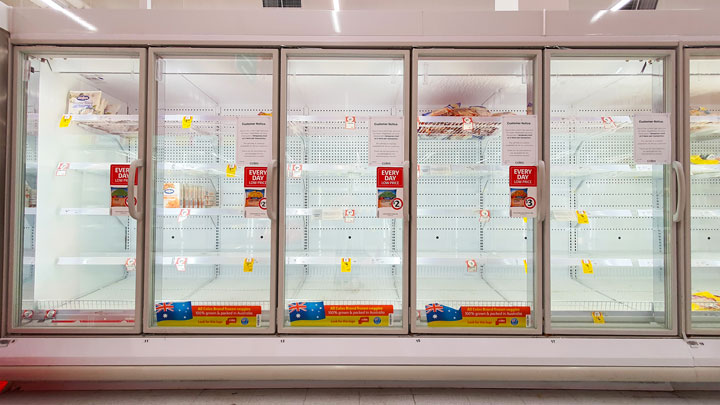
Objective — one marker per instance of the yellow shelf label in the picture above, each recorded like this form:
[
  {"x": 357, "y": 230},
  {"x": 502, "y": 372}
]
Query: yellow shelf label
[
  {"x": 525, "y": 263},
  {"x": 230, "y": 170},
  {"x": 345, "y": 265},
  {"x": 598, "y": 317},
  {"x": 525, "y": 219},
  {"x": 248, "y": 265},
  {"x": 65, "y": 121},
  {"x": 587, "y": 267},
  {"x": 582, "y": 217},
  {"x": 187, "y": 121}
]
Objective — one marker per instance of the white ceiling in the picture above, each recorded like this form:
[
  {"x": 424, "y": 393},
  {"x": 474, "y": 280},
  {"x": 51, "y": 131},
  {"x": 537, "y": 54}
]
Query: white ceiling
[{"x": 459, "y": 5}]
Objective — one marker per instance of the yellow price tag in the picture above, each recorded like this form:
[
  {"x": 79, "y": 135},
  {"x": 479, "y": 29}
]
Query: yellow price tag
[
  {"x": 187, "y": 121},
  {"x": 587, "y": 267},
  {"x": 598, "y": 317},
  {"x": 345, "y": 265},
  {"x": 65, "y": 121},
  {"x": 582, "y": 217},
  {"x": 525, "y": 263},
  {"x": 525, "y": 219},
  {"x": 230, "y": 170},
  {"x": 248, "y": 265}
]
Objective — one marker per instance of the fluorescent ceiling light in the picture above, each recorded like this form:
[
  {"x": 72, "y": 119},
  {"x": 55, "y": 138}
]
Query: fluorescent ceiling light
[
  {"x": 336, "y": 21},
  {"x": 620, "y": 4},
  {"x": 70, "y": 15}
]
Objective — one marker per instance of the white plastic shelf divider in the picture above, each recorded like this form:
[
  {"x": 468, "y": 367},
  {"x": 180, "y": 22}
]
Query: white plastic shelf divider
[
  {"x": 168, "y": 258},
  {"x": 358, "y": 257},
  {"x": 458, "y": 259}
]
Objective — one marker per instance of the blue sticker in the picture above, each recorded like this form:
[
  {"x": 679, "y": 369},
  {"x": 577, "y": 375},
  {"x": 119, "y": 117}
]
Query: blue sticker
[
  {"x": 377, "y": 320},
  {"x": 244, "y": 321},
  {"x": 514, "y": 321}
]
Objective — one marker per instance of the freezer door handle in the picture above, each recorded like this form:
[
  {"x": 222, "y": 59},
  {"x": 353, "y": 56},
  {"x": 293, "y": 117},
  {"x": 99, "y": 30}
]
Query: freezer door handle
[
  {"x": 132, "y": 206},
  {"x": 680, "y": 198},
  {"x": 406, "y": 209},
  {"x": 541, "y": 191},
  {"x": 270, "y": 193}
]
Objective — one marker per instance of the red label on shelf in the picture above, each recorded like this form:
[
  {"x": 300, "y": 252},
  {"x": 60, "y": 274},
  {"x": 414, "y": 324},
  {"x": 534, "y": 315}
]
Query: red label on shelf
[
  {"x": 226, "y": 310},
  {"x": 482, "y": 312},
  {"x": 255, "y": 177},
  {"x": 523, "y": 176},
  {"x": 119, "y": 175},
  {"x": 389, "y": 177},
  {"x": 358, "y": 310}
]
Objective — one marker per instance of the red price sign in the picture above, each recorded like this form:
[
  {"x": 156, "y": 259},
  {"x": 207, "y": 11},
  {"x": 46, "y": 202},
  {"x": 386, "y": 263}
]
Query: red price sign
[
  {"x": 255, "y": 177},
  {"x": 523, "y": 176},
  {"x": 389, "y": 177}
]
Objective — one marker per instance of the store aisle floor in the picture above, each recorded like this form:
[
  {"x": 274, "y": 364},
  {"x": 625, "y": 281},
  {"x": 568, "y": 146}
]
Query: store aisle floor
[{"x": 390, "y": 396}]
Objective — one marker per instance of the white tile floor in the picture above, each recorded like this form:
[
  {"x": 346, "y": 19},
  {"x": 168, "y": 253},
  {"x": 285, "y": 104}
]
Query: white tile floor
[{"x": 390, "y": 396}]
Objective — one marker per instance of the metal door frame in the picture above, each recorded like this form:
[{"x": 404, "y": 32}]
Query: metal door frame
[
  {"x": 479, "y": 54},
  {"x": 671, "y": 263},
  {"x": 16, "y": 174},
  {"x": 688, "y": 53},
  {"x": 149, "y": 308},
  {"x": 370, "y": 53}
]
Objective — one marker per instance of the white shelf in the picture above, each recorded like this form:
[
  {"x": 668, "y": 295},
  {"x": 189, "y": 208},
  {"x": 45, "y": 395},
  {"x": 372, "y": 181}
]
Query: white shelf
[
  {"x": 604, "y": 259},
  {"x": 160, "y": 211},
  {"x": 484, "y": 258},
  {"x": 358, "y": 258},
  {"x": 168, "y": 259}
]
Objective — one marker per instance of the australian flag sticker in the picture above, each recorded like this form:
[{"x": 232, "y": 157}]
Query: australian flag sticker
[
  {"x": 306, "y": 311},
  {"x": 173, "y": 311}
]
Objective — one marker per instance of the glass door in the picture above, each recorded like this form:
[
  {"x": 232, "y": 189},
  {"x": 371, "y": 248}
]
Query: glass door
[
  {"x": 214, "y": 145},
  {"x": 702, "y": 108},
  {"x": 343, "y": 241},
  {"x": 475, "y": 263},
  {"x": 611, "y": 124},
  {"x": 78, "y": 142}
]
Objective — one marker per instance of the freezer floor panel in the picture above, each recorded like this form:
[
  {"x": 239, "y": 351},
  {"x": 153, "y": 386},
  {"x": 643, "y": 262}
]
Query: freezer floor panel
[
  {"x": 574, "y": 295},
  {"x": 341, "y": 290},
  {"x": 234, "y": 291}
]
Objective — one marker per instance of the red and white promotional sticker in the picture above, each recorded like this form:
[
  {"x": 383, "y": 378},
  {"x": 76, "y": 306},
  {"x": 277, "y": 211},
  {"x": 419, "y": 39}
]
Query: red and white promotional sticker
[
  {"x": 255, "y": 181},
  {"x": 62, "y": 168},
  {"x": 130, "y": 264},
  {"x": 349, "y": 215},
  {"x": 467, "y": 124},
  {"x": 390, "y": 192},
  {"x": 523, "y": 191},
  {"x": 608, "y": 123},
  {"x": 484, "y": 215},
  {"x": 295, "y": 170},
  {"x": 183, "y": 214},
  {"x": 180, "y": 263},
  {"x": 471, "y": 265},
  {"x": 350, "y": 122}
]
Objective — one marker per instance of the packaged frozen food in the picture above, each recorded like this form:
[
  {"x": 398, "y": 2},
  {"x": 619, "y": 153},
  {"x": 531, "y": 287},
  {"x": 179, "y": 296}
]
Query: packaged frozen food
[
  {"x": 85, "y": 102},
  {"x": 704, "y": 159},
  {"x": 385, "y": 197},
  {"x": 171, "y": 195},
  {"x": 699, "y": 111},
  {"x": 705, "y": 301},
  {"x": 453, "y": 129},
  {"x": 518, "y": 196},
  {"x": 253, "y": 197}
]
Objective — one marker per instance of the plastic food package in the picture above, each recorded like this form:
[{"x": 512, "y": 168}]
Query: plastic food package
[
  {"x": 177, "y": 195},
  {"x": 85, "y": 102},
  {"x": 454, "y": 130}
]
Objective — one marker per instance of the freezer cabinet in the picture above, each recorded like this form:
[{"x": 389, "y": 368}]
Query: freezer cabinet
[
  {"x": 475, "y": 265},
  {"x": 343, "y": 214},
  {"x": 702, "y": 124},
  {"x": 612, "y": 263},
  {"x": 213, "y": 126},
  {"x": 78, "y": 127}
]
